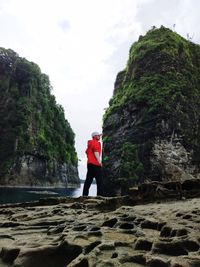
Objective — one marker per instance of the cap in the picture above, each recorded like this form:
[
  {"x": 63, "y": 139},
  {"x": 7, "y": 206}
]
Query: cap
[{"x": 95, "y": 133}]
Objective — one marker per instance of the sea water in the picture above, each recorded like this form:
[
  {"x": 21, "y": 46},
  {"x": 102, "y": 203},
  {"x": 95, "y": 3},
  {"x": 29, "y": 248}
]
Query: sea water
[{"x": 20, "y": 195}]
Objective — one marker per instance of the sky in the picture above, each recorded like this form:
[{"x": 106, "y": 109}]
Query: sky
[{"x": 82, "y": 45}]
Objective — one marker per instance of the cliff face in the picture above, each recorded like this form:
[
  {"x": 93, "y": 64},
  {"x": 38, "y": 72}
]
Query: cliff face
[
  {"x": 37, "y": 143},
  {"x": 152, "y": 126}
]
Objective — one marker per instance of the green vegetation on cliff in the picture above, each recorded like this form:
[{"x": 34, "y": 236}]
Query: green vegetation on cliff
[
  {"x": 162, "y": 69},
  {"x": 31, "y": 122}
]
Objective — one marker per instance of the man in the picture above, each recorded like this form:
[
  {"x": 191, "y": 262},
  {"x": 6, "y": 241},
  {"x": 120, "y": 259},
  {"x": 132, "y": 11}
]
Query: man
[{"x": 94, "y": 165}]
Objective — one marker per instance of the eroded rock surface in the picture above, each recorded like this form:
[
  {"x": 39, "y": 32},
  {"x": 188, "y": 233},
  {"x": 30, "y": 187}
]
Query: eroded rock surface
[{"x": 91, "y": 232}]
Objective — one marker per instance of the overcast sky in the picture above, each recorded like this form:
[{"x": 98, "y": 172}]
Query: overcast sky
[{"x": 83, "y": 44}]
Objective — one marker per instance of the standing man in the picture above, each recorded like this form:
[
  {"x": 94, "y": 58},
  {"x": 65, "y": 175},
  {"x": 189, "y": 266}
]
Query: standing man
[{"x": 94, "y": 165}]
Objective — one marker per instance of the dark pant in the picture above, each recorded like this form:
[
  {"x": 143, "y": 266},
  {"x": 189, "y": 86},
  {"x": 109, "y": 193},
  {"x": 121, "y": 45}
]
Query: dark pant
[{"x": 93, "y": 171}]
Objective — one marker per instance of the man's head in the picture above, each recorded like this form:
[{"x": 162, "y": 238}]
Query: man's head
[{"x": 96, "y": 135}]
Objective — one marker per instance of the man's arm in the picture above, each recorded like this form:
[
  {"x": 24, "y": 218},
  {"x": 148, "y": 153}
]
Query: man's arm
[{"x": 97, "y": 157}]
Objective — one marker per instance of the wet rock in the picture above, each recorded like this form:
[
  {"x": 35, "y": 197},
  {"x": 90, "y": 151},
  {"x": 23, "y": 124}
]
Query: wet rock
[
  {"x": 83, "y": 263},
  {"x": 94, "y": 229},
  {"x": 46, "y": 223},
  {"x": 160, "y": 225},
  {"x": 192, "y": 185},
  {"x": 56, "y": 230},
  {"x": 186, "y": 262},
  {"x": 91, "y": 246},
  {"x": 187, "y": 216},
  {"x": 108, "y": 246},
  {"x": 190, "y": 245},
  {"x": 123, "y": 217},
  {"x": 6, "y": 236},
  {"x": 157, "y": 262},
  {"x": 195, "y": 212},
  {"x": 9, "y": 224},
  {"x": 178, "y": 214},
  {"x": 110, "y": 223},
  {"x": 142, "y": 244},
  {"x": 77, "y": 206},
  {"x": 138, "y": 221},
  {"x": 174, "y": 248},
  {"x": 126, "y": 226},
  {"x": 49, "y": 256},
  {"x": 137, "y": 258},
  {"x": 9, "y": 255},
  {"x": 181, "y": 232},
  {"x": 114, "y": 255},
  {"x": 95, "y": 233},
  {"x": 107, "y": 263},
  {"x": 79, "y": 228},
  {"x": 121, "y": 244},
  {"x": 194, "y": 262},
  {"x": 149, "y": 224},
  {"x": 167, "y": 231},
  {"x": 130, "y": 218},
  {"x": 49, "y": 201}
]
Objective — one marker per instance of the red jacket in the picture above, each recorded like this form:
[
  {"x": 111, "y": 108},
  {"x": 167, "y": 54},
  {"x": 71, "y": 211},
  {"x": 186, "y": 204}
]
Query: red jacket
[{"x": 93, "y": 146}]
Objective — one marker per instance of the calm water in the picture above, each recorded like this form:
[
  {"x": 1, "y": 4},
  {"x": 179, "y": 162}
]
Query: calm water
[{"x": 19, "y": 195}]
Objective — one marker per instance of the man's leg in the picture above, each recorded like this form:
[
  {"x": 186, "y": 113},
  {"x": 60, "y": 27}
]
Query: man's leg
[
  {"x": 98, "y": 177},
  {"x": 89, "y": 179}
]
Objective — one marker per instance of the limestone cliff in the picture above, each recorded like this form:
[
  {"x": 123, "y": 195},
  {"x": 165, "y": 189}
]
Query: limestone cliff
[
  {"x": 152, "y": 126},
  {"x": 37, "y": 143}
]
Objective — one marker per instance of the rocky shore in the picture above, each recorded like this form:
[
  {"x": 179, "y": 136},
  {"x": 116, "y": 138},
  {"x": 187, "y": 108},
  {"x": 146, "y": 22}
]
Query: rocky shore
[{"x": 101, "y": 232}]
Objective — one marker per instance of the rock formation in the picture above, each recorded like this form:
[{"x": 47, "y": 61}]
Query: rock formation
[
  {"x": 104, "y": 232},
  {"x": 152, "y": 126},
  {"x": 37, "y": 143}
]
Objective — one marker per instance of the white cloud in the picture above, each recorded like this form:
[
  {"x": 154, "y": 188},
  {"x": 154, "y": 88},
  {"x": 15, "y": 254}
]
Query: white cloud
[
  {"x": 182, "y": 13},
  {"x": 82, "y": 45}
]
